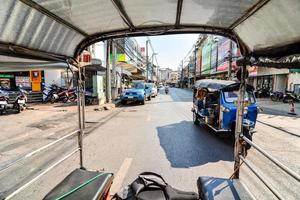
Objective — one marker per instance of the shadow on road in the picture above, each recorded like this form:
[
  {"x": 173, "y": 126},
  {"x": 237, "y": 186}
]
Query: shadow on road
[{"x": 187, "y": 145}]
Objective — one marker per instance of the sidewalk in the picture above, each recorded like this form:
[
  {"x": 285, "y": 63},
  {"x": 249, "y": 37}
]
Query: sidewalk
[
  {"x": 275, "y": 115},
  {"x": 277, "y": 108}
]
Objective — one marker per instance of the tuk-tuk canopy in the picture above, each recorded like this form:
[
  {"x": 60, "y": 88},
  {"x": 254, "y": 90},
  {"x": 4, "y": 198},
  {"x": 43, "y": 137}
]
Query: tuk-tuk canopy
[
  {"x": 58, "y": 29},
  {"x": 212, "y": 84},
  {"x": 216, "y": 85}
]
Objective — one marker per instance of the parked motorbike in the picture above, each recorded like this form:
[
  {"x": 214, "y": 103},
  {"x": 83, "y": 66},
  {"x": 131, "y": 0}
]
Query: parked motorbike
[
  {"x": 3, "y": 102},
  {"x": 55, "y": 93},
  {"x": 89, "y": 98},
  {"x": 289, "y": 96},
  {"x": 20, "y": 102},
  {"x": 262, "y": 92},
  {"x": 72, "y": 94},
  {"x": 277, "y": 96}
]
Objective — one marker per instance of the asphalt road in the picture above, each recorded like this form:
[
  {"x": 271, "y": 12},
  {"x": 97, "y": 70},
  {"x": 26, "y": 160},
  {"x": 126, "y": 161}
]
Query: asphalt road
[{"x": 161, "y": 137}]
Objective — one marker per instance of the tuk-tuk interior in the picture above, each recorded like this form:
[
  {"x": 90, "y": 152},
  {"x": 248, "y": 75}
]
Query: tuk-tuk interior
[
  {"x": 267, "y": 31},
  {"x": 217, "y": 107}
]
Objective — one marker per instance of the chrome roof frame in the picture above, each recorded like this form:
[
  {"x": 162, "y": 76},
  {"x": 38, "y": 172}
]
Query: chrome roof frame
[{"x": 132, "y": 30}]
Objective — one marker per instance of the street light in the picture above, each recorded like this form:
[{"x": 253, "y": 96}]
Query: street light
[
  {"x": 147, "y": 61},
  {"x": 153, "y": 54}
]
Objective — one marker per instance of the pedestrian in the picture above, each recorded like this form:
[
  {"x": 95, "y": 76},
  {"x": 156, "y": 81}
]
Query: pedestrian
[{"x": 200, "y": 98}]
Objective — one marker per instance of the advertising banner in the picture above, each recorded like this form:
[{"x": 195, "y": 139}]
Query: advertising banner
[
  {"x": 198, "y": 61},
  {"x": 206, "y": 58},
  {"x": 223, "y": 52},
  {"x": 213, "y": 65},
  {"x": 23, "y": 81}
]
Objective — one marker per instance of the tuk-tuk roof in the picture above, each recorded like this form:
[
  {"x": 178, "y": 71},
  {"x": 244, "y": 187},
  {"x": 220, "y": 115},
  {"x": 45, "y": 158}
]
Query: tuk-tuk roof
[
  {"x": 212, "y": 84},
  {"x": 60, "y": 29},
  {"x": 215, "y": 85}
]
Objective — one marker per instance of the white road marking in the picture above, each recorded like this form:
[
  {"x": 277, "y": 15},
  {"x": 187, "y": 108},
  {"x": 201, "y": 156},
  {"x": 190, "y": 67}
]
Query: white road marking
[{"x": 120, "y": 176}]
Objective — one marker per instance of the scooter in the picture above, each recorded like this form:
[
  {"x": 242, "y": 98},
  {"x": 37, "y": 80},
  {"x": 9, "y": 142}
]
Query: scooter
[
  {"x": 276, "y": 96},
  {"x": 3, "y": 102},
  {"x": 55, "y": 94},
  {"x": 167, "y": 90},
  {"x": 290, "y": 97},
  {"x": 20, "y": 102}
]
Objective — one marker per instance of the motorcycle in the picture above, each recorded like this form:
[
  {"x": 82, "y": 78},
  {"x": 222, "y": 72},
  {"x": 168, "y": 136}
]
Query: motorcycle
[
  {"x": 55, "y": 94},
  {"x": 262, "y": 92},
  {"x": 289, "y": 96},
  {"x": 276, "y": 96},
  {"x": 3, "y": 102},
  {"x": 167, "y": 90},
  {"x": 20, "y": 102}
]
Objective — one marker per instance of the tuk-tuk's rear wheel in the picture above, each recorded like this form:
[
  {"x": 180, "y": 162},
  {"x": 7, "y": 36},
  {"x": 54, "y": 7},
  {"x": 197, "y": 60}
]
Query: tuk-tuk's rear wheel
[{"x": 195, "y": 119}]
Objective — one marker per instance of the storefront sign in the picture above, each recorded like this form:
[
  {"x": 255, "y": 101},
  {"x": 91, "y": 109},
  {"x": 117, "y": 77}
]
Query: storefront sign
[
  {"x": 198, "y": 61},
  {"x": 6, "y": 76},
  {"x": 23, "y": 81}
]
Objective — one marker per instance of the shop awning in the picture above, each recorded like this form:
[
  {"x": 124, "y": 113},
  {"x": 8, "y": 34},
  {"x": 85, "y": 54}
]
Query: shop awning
[
  {"x": 59, "y": 29},
  {"x": 9, "y": 64},
  {"x": 129, "y": 67}
]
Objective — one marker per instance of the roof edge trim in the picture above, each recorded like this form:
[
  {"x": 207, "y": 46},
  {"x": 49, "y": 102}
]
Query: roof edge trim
[
  {"x": 22, "y": 52},
  {"x": 157, "y": 30}
]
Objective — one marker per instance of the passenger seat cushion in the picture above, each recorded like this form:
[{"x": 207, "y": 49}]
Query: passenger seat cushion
[
  {"x": 211, "y": 188},
  {"x": 96, "y": 189}
]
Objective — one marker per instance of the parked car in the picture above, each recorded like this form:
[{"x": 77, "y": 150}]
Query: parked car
[
  {"x": 138, "y": 93},
  {"x": 153, "y": 88}
]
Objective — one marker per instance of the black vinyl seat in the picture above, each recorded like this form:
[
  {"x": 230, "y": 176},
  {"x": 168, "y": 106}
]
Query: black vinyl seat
[
  {"x": 211, "y": 188},
  {"x": 90, "y": 185}
]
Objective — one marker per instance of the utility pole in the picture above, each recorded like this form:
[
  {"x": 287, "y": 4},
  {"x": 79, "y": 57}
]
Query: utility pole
[
  {"x": 108, "y": 73},
  {"x": 147, "y": 61},
  {"x": 195, "y": 56},
  {"x": 182, "y": 73},
  {"x": 188, "y": 68},
  {"x": 151, "y": 69},
  {"x": 230, "y": 60},
  {"x": 114, "y": 72}
]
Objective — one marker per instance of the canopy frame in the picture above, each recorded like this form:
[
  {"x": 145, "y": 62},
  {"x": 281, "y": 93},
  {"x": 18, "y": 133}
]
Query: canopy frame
[{"x": 286, "y": 47}]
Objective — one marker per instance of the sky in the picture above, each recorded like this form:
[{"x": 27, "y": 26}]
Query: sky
[{"x": 171, "y": 49}]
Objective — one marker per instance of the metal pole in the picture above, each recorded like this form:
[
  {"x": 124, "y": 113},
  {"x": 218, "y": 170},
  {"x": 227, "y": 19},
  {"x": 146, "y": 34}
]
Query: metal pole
[
  {"x": 182, "y": 73},
  {"x": 20, "y": 189},
  {"x": 230, "y": 60},
  {"x": 108, "y": 73},
  {"x": 239, "y": 122},
  {"x": 195, "y": 76},
  {"x": 151, "y": 69},
  {"x": 262, "y": 178},
  {"x": 188, "y": 68},
  {"x": 114, "y": 72},
  {"x": 274, "y": 160},
  {"x": 83, "y": 99},
  {"x": 80, "y": 126},
  {"x": 147, "y": 61}
]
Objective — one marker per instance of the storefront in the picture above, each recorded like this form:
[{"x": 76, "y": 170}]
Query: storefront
[{"x": 29, "y": 80}]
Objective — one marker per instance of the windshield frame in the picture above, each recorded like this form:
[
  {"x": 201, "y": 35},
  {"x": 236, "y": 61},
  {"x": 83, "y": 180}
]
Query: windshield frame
[{"x": 232, "y": 102}]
